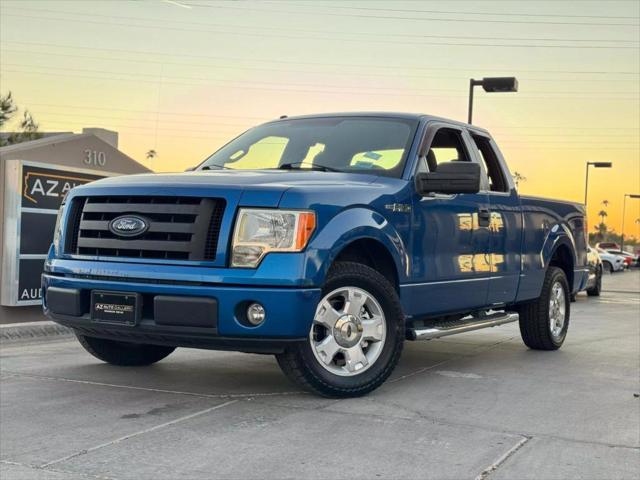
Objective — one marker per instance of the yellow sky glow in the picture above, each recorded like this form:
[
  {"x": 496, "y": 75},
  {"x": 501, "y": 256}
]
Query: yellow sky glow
[{"x": 183, "y": 81}]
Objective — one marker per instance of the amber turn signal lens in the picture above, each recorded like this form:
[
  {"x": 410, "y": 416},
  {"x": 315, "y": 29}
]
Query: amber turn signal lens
[{"x": 306, "y": 226}]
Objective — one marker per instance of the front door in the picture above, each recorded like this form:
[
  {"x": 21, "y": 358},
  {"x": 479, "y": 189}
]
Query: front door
[{"x": 451, "y": 238}]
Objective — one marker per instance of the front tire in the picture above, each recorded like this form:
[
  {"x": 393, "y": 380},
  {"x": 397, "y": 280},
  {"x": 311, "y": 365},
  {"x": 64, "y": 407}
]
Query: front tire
[
  {"x": 544, "y": 322},
  {"x": 124, "y": 354},
  {"x": 608, "y": 266},
  {"x": 356, "y": 337},
  {"x": 597, "y": 287}
]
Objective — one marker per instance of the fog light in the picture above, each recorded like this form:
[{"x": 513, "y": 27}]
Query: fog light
[{"x": 255, "y": 314}]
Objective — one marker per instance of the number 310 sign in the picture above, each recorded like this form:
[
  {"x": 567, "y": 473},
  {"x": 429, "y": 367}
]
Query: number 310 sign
[{"x": 94, "y": 158}]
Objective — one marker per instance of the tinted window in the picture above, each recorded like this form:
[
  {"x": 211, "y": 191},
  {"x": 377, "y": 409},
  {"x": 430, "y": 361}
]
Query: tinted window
[
  {"x": 348, "y": 144},
  {"x": 447, "y": 146},
  {"x": 497, "y": 181}
]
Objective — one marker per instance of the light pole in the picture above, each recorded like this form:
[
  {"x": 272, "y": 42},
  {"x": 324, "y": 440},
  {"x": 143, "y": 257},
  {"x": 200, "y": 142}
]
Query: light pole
[
  {"x": 490, "y": 85},
  {"x": 624, "y": 204},
  {"x": 586, "y": 180}
]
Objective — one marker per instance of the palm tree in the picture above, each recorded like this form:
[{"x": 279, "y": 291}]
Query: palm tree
[
  {"x": 518, "y": 177},
  {"x": 151, "y": 154},
  {"x": 602, "y": 214},
  {"x": 605, "y": 203}
]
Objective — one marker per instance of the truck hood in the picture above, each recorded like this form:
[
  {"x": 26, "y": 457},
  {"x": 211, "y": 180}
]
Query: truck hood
[
  {"x": 240, "y": 179},
  {"x": 249, "y": 187}
]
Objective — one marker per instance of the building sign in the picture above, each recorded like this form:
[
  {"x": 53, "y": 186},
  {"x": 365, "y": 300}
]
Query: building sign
[
  {"x": 33, "y": 195},
  {"x": 45, "y": 188}
]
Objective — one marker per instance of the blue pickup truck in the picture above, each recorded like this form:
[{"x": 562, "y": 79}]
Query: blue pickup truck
[{"x": 327, "y": 240}]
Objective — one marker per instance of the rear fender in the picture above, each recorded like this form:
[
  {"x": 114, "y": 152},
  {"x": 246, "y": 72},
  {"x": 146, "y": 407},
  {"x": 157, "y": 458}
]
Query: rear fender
[{"x": 558, "y": 235}]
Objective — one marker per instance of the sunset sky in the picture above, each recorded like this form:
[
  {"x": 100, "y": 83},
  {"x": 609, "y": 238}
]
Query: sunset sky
[{"x": 182, "y": 77}]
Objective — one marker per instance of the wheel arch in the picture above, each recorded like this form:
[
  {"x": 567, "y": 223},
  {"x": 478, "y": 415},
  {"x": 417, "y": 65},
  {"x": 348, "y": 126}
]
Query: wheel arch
[
  {"x": 563, "y": 257},
  {"x": 374, "y": 254},
  {"x": 359, "y": 234}
]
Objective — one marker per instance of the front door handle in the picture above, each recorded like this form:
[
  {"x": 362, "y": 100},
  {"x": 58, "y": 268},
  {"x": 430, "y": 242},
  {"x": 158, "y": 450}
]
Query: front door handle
[{"x": 484, "y": 217}]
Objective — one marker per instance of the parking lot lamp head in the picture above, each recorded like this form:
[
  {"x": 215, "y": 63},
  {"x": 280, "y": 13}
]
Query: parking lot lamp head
[
  {"x": 586, "y": 180},
  {"x": 491, "y": 85}
]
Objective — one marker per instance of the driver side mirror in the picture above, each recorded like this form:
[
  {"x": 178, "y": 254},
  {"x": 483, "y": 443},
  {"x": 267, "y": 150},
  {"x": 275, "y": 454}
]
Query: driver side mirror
[{"x": 450, "y": 177}]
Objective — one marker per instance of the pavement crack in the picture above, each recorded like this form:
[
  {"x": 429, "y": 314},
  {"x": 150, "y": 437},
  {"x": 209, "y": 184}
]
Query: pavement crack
[
  {"x": 476, "y": 352},
  {"x": 136, "y": 434},
  {"x": 56, "y": 470},
  {"x": 503, "y": 431},
  {"x": 503, "y": 458},
  {"x": 7, "y": 374}
]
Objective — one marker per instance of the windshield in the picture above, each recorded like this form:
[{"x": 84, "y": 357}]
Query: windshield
[{"x": 346, "y": 144}]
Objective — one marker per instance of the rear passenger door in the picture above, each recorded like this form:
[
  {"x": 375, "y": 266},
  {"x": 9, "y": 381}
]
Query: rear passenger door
[{"x": 505, "y": 221}]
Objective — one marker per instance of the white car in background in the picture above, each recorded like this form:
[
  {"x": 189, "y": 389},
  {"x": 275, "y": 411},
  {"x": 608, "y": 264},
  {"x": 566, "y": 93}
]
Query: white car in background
[{"x": 610, "y": 262}]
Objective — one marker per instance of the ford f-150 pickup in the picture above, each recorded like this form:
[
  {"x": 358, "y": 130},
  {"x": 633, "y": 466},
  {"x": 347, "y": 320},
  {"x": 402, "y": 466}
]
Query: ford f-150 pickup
[{"x": 327, "y": 240}]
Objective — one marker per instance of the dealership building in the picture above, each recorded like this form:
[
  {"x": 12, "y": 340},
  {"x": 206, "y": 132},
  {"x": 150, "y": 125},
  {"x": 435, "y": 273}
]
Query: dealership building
[{"x": 34, "y": 177}]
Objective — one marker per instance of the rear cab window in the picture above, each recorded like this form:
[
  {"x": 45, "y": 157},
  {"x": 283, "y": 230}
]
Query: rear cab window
[{"x": 490, "y": 163}]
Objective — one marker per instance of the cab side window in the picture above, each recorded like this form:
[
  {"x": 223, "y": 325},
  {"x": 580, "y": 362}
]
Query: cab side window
[
  {"x": 497, "y": 180},
  {"x": 447, "y": 146}
]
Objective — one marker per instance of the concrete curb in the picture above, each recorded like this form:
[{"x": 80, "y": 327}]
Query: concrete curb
[{"x": 29, "y": 331}]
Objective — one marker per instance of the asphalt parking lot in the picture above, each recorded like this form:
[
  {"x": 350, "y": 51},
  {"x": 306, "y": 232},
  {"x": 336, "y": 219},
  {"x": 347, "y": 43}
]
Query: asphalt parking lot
[{"x": 477, "y": 405}]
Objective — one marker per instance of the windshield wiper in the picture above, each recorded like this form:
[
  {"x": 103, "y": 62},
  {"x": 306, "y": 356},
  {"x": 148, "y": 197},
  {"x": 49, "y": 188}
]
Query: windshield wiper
[
  {"x": 314, "y": 166},
  {"x": 215, "y": 167}
]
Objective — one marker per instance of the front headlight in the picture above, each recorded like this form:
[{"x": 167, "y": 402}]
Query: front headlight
[{"x": 260, "y": 231}]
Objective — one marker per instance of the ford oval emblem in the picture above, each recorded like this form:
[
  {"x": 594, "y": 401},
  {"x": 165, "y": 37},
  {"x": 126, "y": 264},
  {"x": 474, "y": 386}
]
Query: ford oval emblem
[{"x": 128, "y": 226}]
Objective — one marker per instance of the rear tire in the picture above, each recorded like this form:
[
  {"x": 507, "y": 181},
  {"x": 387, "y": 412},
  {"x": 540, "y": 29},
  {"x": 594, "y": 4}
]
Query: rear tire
[
  {"x": 351, "y": 357},
  {"x": 544, "y": 322},
  {"x": 595, "y": 290},
  {"x": 607, "y": 266},
  {"x": 124, "y": 354}
]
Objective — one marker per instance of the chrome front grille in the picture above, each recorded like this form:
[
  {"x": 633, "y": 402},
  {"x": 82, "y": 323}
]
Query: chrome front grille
[{"x": 180, "y": 228}]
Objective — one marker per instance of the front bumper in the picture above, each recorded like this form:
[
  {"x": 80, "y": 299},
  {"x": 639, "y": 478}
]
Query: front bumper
[{"x": 289, "y": 312}]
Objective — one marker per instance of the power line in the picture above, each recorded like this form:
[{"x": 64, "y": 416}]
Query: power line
[
  {"x": 395, "y": 67},
  {"x": 252, "y": 68},
  {"x": 63, "y": 110},
  {"x": 367, "y": 40},
  {"x": 233, "y": 126},
  {"x": 387, "y": 17},
  {"x": 154, "y": 112},
  {"x": 306, "y": 31},
  {"x": 236, "y": 85},
  {"x": 161, "y": 78},
  {"x": 67, "y": 106},
  {"x": 554, "y": 15}
]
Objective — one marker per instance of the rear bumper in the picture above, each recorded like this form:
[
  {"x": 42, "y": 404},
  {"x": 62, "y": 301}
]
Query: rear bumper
[{"x": 289, "y": 313}]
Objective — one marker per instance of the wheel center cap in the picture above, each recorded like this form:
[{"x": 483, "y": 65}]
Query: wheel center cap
[{"x": 347, "y": 331}]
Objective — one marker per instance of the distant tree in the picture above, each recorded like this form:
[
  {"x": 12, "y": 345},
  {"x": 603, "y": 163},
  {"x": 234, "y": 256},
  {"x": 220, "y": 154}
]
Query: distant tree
[
  {"x": 151, "y": 154},
  {"x": 28, "y": 127},
  {"x": 518, "y": 177},
  {"x": 605, "y": 203},
  {"x": 7, "y": 108}
]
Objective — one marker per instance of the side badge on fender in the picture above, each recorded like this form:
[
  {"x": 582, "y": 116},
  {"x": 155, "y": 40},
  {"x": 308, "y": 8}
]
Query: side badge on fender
[{"x": 398, "y": 207}]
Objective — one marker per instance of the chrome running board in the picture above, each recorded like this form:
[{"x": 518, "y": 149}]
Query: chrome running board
[{"x": 461, "y": 326}]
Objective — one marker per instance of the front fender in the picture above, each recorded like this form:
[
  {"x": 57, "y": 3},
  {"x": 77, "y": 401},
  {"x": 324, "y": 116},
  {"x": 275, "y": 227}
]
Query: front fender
[{"x": 346, "y": 227}]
